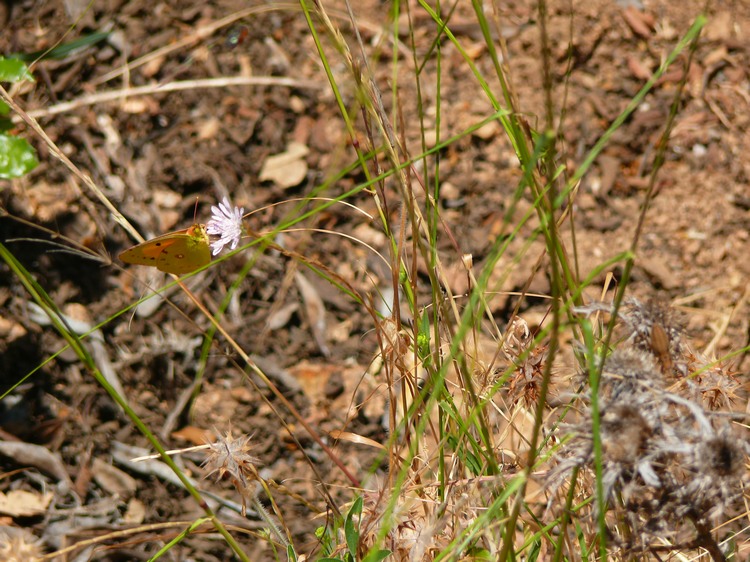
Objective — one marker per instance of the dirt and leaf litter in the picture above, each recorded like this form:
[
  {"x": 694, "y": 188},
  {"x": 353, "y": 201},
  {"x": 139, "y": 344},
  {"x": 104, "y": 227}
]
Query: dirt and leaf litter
[{"x": 262, "y": 145}]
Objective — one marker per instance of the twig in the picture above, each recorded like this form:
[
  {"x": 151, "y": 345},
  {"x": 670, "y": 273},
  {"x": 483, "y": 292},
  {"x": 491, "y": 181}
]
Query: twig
[{"x": 102, "y": 97}]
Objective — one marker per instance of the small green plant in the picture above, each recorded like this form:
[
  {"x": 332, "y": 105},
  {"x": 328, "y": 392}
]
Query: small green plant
[
  {"x": 17, "y": 157},
  {"x": 335, "y": 550}
]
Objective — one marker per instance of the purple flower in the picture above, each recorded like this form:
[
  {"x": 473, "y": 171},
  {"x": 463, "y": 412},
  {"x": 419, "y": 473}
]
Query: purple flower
[{"x": 226, "y": 222}]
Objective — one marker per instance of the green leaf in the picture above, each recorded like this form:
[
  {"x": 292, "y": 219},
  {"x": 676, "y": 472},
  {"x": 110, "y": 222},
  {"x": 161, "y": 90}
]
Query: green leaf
[
  {"x": 65, "y": 49},
  {"x": 350, "y": 530},
  {"x": 480, "y": 554},
  {"x": 324, "y": 537},
  {"x": 5, "y": 123},
  {"x": 13, "y": 70},
  {"x": 423, "y": 340},
  {"x": 376, "y": 556},
  {"x": 17, "y": 157}
]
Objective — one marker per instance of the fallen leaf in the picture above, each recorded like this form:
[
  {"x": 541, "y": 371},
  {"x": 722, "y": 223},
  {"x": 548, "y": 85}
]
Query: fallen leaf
[
  {"x": 10, "y": 330},
  {"x": 113, "y": 480},
  {"x": 193, "y": 434},
  {"x": 313, "y": 378},
  {"x": 281, "y": 317},
  {"x": 135, "y": 514},
  {"x": 639, "y": 23},
  {"x": 209, "y": 129},
  {"x": 659, "y": 272},
  {"x": 26, "y": 454},
  {"x": 21, "y": 503},
  {"x": 315, "y": 311},
  {"x": 288, "y": 168},
  {"x": 46, "y": 202},
  {"x": 638, "y": 68}
]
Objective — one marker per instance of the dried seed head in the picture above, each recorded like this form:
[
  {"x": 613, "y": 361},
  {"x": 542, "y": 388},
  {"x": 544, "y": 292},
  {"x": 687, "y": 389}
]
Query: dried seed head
[
  {"x": 653, "y": 328},
  {"x": 628, "y": 375},
  {"x": 718, "y": 385},
  {"x": 721, "y": 456},
  {"x": 667, "y": 470},
  {"x": 526, "y": 381},
  {"x": 19, "y": 545},
  {"x": 716, "y": 470},
  {"x": 230, "y": 457},
  {"x": 626, "y": 361},
  {"x": 517, "y": 338},
  {"x": 530, "y": 363},
  {"x": 624, "y": 433}
]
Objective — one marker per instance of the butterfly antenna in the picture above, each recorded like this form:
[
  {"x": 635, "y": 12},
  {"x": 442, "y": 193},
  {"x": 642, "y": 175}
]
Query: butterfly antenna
[{"x": 195, "y": 211}]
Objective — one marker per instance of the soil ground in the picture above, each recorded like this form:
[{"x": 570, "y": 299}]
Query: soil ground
[{"x": 154, "y": 154}]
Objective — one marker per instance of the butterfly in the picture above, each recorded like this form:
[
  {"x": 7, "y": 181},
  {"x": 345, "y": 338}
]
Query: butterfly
[{"x": 176, "y": 252}]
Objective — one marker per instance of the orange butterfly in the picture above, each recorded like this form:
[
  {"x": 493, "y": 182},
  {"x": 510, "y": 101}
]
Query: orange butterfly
[{"x": 176, "y": 252}]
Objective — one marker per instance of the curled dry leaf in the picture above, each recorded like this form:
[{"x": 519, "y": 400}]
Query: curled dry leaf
[
  {"x": 280, "y": 318},
  {"x": 639, "y": 22},
  {"x": 10, "y": 330},
  {"x": 45, "y": 202},
  {"x": 355, "y": 438},
  {"x": 313, "y": 378},
  {"x": 192, "y": 434},
  {"x": 288, "y": 168},
  {"x": 113, "y": 480},
  {"x": 315, "y": 310},
  {"x": 27, "y": 454},
  {"x": 21, "y": 503},
  {"x": 135, "y": 513}
]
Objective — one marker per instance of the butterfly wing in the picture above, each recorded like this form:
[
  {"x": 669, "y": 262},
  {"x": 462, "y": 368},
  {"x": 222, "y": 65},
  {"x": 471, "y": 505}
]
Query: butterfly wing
[
  {"x": 148, "y": 252},
  {"x": 187, "y": 253},
  {"x": 177, "y": 252}
]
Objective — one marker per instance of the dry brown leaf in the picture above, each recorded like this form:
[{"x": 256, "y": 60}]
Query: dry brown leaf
[
  {"x": 21, "y": 503},
  {"x": 113, "y": 480},
  {"x": 45, "y": 201},
  {"x": 312, "y": 378},
  {"x": 638, "y": 68},
  {"x": 193, "y": 434},
  {"x": 27, "y": 454},
  {"x": 288, "y": 168},
  {"x": 355, "y": 438},
  {"x": 280, "y": 318},
  {"x": 315, "y": 311},
  {"x": 135, "y": 514},
  {"x": 10, "y": 330},
  {"x": 209, "y": 128},
  {"x": 639, "y": 22}
]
